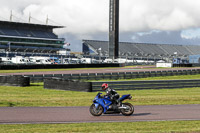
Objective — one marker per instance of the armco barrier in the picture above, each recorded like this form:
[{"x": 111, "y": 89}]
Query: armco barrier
[
  {"x": 14, "y": 81},
  {"x": 63, "y": 84},
  {"x": 153, "y": 84},
  {"x": 114, "y": 76}
]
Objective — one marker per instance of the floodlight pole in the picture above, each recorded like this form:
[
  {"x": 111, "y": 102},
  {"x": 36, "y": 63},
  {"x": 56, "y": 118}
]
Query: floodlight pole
[
  {"x": 114, "y": 29},
  {"x": 11, "y": 16},
  {"x": 29, "y": 19}
]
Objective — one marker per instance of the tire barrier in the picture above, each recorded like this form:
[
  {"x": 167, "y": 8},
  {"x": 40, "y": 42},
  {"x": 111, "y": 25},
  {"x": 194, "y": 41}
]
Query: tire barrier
[
  {"x": 114, "y": 76},
  {"x": 140, "y": 85},
  {"x": 15, "y": 81},
  {"x": 63, "y": 84}
]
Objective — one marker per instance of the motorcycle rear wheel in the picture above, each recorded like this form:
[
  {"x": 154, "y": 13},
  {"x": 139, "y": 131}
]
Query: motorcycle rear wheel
[
  {"x": 96, "y": 111},
  {"x": 129, "y": 111}
]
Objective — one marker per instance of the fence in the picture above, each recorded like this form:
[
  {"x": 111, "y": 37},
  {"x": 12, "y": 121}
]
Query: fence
[
  {"x": 114, "y": 76},
  {"x": 139, "y": 85}
]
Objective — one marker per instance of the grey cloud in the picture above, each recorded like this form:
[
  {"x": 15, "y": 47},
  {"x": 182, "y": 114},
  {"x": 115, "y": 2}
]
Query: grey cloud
[
  {"x": 162, "y": 37},
  {"x": 91, "y": 16},
  {"x": 88, "y": 19}
]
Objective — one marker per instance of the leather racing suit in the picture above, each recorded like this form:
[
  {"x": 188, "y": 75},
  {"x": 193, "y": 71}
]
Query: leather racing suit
[{"x": 114, "y": 96}]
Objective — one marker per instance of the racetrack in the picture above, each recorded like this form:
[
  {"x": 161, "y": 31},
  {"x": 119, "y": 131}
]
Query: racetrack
[
  {"x": 104, "y": 70},
  {"x": 30, "y": 115}
]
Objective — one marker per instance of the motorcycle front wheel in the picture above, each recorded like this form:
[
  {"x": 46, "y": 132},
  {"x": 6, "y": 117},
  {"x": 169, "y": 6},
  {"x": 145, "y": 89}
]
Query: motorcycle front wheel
[
  {"x": 96, "y": 111},
  {"x": 129, "y": 111}
]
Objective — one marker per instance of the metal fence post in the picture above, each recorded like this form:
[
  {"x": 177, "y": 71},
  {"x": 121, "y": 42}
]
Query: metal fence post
[{"x": 95, "y": 76}]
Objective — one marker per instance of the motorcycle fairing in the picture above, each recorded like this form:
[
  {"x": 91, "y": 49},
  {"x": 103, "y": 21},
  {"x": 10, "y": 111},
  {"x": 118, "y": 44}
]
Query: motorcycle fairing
[
  {"x": 105, "y": 103},
  {"x": 124, "y": 97}
]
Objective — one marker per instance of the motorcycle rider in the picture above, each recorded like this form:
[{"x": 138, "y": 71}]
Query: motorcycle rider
[{"x": 114, "y": 96}]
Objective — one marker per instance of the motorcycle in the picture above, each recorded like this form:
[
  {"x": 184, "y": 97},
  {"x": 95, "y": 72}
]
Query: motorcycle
[{"x": 103, "y": 104}]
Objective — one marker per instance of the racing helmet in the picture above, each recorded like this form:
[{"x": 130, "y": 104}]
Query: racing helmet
[{"x": 104, "y": 86}]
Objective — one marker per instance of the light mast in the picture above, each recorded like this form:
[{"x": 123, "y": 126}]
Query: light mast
[{"x": 114, "y": 29}]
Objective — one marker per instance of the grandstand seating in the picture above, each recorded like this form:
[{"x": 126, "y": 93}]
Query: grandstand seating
[
  {"x": 16, "y": 37},
  {"x": 127, "y": 48},
  {"x": 27, "y": 33},
  {"x": 194, "y": 49},
  {"x": 101, "y": 44},
  {"x": 146, "y": 49},
  {"x": 30, "y": 48}
]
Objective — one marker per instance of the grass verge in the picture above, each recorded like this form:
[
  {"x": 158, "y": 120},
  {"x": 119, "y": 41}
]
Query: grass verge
[
  {"x": 126, "y": 127},
  {"x": 35, "y": 95}
]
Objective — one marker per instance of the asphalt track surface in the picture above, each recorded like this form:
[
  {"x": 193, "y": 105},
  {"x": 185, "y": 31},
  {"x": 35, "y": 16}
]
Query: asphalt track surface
[
  {"x": 103, "y": 70},
  {"x": 55, "y": 115}
]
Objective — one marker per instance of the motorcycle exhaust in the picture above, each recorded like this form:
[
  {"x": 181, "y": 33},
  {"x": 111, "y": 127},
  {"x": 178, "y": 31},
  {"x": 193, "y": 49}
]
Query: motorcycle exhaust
[{"x": 130, "y": 97}]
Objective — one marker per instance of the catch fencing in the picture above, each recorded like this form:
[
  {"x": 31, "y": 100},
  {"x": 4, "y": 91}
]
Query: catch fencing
[{"x": 113, "y": 76}]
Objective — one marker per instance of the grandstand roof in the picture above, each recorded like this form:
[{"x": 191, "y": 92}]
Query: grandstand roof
[
  {"x": 28, "y": 24},
  {"x": 143, "y": 48},
  {"x": 28, "y": 30},
  {"x": 26, "y": 36}
]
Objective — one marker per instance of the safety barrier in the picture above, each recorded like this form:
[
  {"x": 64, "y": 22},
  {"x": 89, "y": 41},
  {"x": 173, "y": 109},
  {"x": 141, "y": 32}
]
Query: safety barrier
[
  {"x": 14, "y": 81},
  {"x": 63, "y": 84},
  {"x": 153, "y": 84},
  {"x": 114, "y": 76}
]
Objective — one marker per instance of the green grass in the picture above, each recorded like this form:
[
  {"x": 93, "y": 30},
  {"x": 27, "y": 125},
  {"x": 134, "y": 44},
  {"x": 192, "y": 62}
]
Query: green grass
[
  {"x": 35, "y": 95},
  {"x": 126, "y": 127}
]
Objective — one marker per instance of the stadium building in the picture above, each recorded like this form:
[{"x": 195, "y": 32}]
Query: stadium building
[
  {"x": 141, "y": 50},
  {"x": 24, "y": 38}
]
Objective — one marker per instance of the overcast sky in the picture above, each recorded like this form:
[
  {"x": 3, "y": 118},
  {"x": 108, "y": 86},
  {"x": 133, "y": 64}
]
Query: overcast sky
[{"x": 142, "y": 21}]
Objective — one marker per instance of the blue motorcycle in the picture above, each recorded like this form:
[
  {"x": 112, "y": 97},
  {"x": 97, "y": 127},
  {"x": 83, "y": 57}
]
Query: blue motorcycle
[{"x": 103, "y": 104}]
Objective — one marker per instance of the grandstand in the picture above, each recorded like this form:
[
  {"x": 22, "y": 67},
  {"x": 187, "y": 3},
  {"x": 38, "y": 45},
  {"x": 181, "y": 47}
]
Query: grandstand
[
  {"x": 28, "y": 37},
  {"x": 141, "y": 50}
]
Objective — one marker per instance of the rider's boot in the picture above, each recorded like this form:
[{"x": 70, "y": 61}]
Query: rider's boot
[{"x": 118, "y": 102}]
